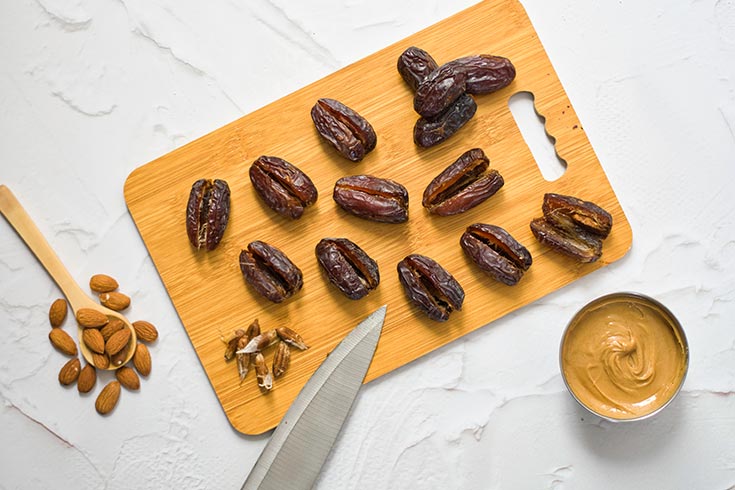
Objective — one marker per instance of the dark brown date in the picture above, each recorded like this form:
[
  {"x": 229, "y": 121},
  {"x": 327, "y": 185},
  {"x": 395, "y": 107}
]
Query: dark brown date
[
  {"x": 589, "y": 216},
  {"x": 415, "y": 65},
  {"x": 496, "y": 252},
  {"x": 485, "y": 73},
  {"x": 284, "y": 188},
  {"x": 270, "y": 272},
  {"x": 432, "y": 131},
  {"x": 372, "y": 198},
  {"x": 572, "y": 226},
  {"x": 348, "y": 267},
  {"x": 207, "y": 213},
  {"x": 462, "y": 185},
  {"x": 430, "y": 287},
  {"x": 569, "y": 240},
  {"x": 438, "y": 90},
  {"x": 345, "y": 129}
]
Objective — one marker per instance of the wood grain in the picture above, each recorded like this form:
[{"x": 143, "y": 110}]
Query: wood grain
[{"x": 208, "y": 290}]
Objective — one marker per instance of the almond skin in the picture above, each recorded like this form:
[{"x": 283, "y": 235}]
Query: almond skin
[
  {"x": 108, "y": 397},
  {"x": 128, "y": 378},
  {"x": 142, "y": 360},
  {"x": 118, "y": 340},
  {"x": 145, "y": 331},
  {"x": 57, "y": 312},
  {"x": 63, "y": 342},
  {"x": 90, "y": 318},
  {"x": 93, "y": 339},
  {"x": 115, "y": 301},
  {"x": 113, "y": 326},
  {"x": 70, "y": 372},
  {"x": 100, "y": 361},
  {"x": 101, "y": 283},
  {"x": 87, "y": 379}
]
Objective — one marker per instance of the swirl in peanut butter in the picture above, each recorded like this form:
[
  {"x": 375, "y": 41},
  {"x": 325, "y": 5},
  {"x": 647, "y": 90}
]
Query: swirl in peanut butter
[{"x": 623, "y": 358}]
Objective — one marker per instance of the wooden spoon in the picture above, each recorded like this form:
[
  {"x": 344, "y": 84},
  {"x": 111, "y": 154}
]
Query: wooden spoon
[{"x": 29, "y": 232}]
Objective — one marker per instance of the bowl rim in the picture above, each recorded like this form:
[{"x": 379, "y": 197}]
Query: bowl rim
[{"x": 674, "y": 321}]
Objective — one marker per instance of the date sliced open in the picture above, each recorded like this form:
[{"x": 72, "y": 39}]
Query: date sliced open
[
  {"x": 270, "y": 272},
  {"x": 430, "y": 287},
  {"x": 282, "y": 186},
  {"x": 589, "y": 216},
  {"x": 207, "y": 213},
  {"x": 462, "y": 185},
  {"x": 496, "y": 252},
  {"x": 350, "y": 133},
  {"x": 572, "y": 226},
  {"x": 372, "y": 198},
  {"x": 348, "y": 267},
  {"x": 570, "y": 241}
]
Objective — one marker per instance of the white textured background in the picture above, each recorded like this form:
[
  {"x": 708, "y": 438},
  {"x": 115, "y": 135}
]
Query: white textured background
[{"x": 92, "y": 89}]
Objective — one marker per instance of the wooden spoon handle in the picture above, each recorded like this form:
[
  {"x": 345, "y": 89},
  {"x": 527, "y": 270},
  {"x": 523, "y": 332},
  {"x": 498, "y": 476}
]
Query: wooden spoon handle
[{"x": 29, "y": 232}]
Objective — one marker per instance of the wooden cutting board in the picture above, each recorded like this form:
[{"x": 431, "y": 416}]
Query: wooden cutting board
[{"x": 208, "y": 290}]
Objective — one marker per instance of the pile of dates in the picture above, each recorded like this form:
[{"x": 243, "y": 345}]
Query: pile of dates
[
  {"x": 443, "y": 97},
  {"x": 443, "y": 94}
]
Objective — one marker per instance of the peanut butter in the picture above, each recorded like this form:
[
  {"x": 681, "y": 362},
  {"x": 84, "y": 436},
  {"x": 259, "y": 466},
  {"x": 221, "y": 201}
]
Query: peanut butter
[{"x": 624, "y": 356}]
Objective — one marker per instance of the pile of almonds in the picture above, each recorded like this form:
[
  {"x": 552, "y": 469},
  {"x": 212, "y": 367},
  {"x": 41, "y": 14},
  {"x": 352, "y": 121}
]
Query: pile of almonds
[
  {"x": 107, "y": 338},
  {"x": 247, "y": 346}
]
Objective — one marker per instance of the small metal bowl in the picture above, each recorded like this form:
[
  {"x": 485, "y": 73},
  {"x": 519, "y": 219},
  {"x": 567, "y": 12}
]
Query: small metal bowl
[{"x": 631, "y": 299}]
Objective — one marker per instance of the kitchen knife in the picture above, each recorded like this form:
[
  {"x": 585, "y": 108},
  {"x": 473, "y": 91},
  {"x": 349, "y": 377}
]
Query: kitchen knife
[{"x": 300, "y": 444}]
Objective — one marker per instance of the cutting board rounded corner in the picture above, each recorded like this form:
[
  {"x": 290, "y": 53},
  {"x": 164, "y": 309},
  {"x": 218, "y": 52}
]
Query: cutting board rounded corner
[{"x": 132, "y": 183}]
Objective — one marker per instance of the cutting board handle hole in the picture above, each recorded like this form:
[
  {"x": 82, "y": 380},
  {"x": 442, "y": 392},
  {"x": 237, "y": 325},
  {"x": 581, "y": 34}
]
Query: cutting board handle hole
[{"x": 539, "y": 141}]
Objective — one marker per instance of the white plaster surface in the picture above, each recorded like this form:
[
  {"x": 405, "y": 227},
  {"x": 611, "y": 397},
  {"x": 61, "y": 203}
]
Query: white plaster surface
[{"x": 91, "y": 89}]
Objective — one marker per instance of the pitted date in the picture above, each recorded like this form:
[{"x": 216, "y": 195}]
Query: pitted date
[
  {"x": 343, "y": 128},
  {"x": 348, "y": 267},
  {"x": 432, "y": 131},
  {"x": 588, "y": 215},
  {"x": 568, "y": 240},
  {"x": 496, "y": 252},
  {"x": 430, "y": 287},
  {"x": 462, "y": 185},
  {"x": 438, "y": 90},
  {"x": 270, "y": 272},
  {"x": 415, "y": 65},
  {"x": 207, "y": 213},
  {"x": 485, "y": 73},
  {"x": 282, "y": 186},
  {"x": 572, "y": 226},
  {"x": 372, "y": 198}
]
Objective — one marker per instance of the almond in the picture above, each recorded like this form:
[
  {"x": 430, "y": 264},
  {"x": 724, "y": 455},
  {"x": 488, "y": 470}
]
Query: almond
[
  {"x": 101, "y": 283},
  {"x": 119, "y": 359},
  {"x": 115, "y": 301},
  {"x": 70, "y": 372},
  {"x": 108, "y": 397},
  {"x": 142, "y": 360},
  {"x": 57, "y": 312},
  {"x": 113, "y": 326},
  {"x": 117, "y": 341},
  {"x": 100, "y": 361},
  {"x": 145, "y": 331},
  {"x": 63, "y": 341},
  {"x": 127, "y": 377},
  {"x": 93, "y": 339},
  {"x": 91, "y": 318},
  {"x": 87, "y": 379}
]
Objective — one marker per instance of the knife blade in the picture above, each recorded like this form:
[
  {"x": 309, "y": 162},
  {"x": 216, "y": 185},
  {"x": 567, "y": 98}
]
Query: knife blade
[{"x": 294, "y": 456}]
